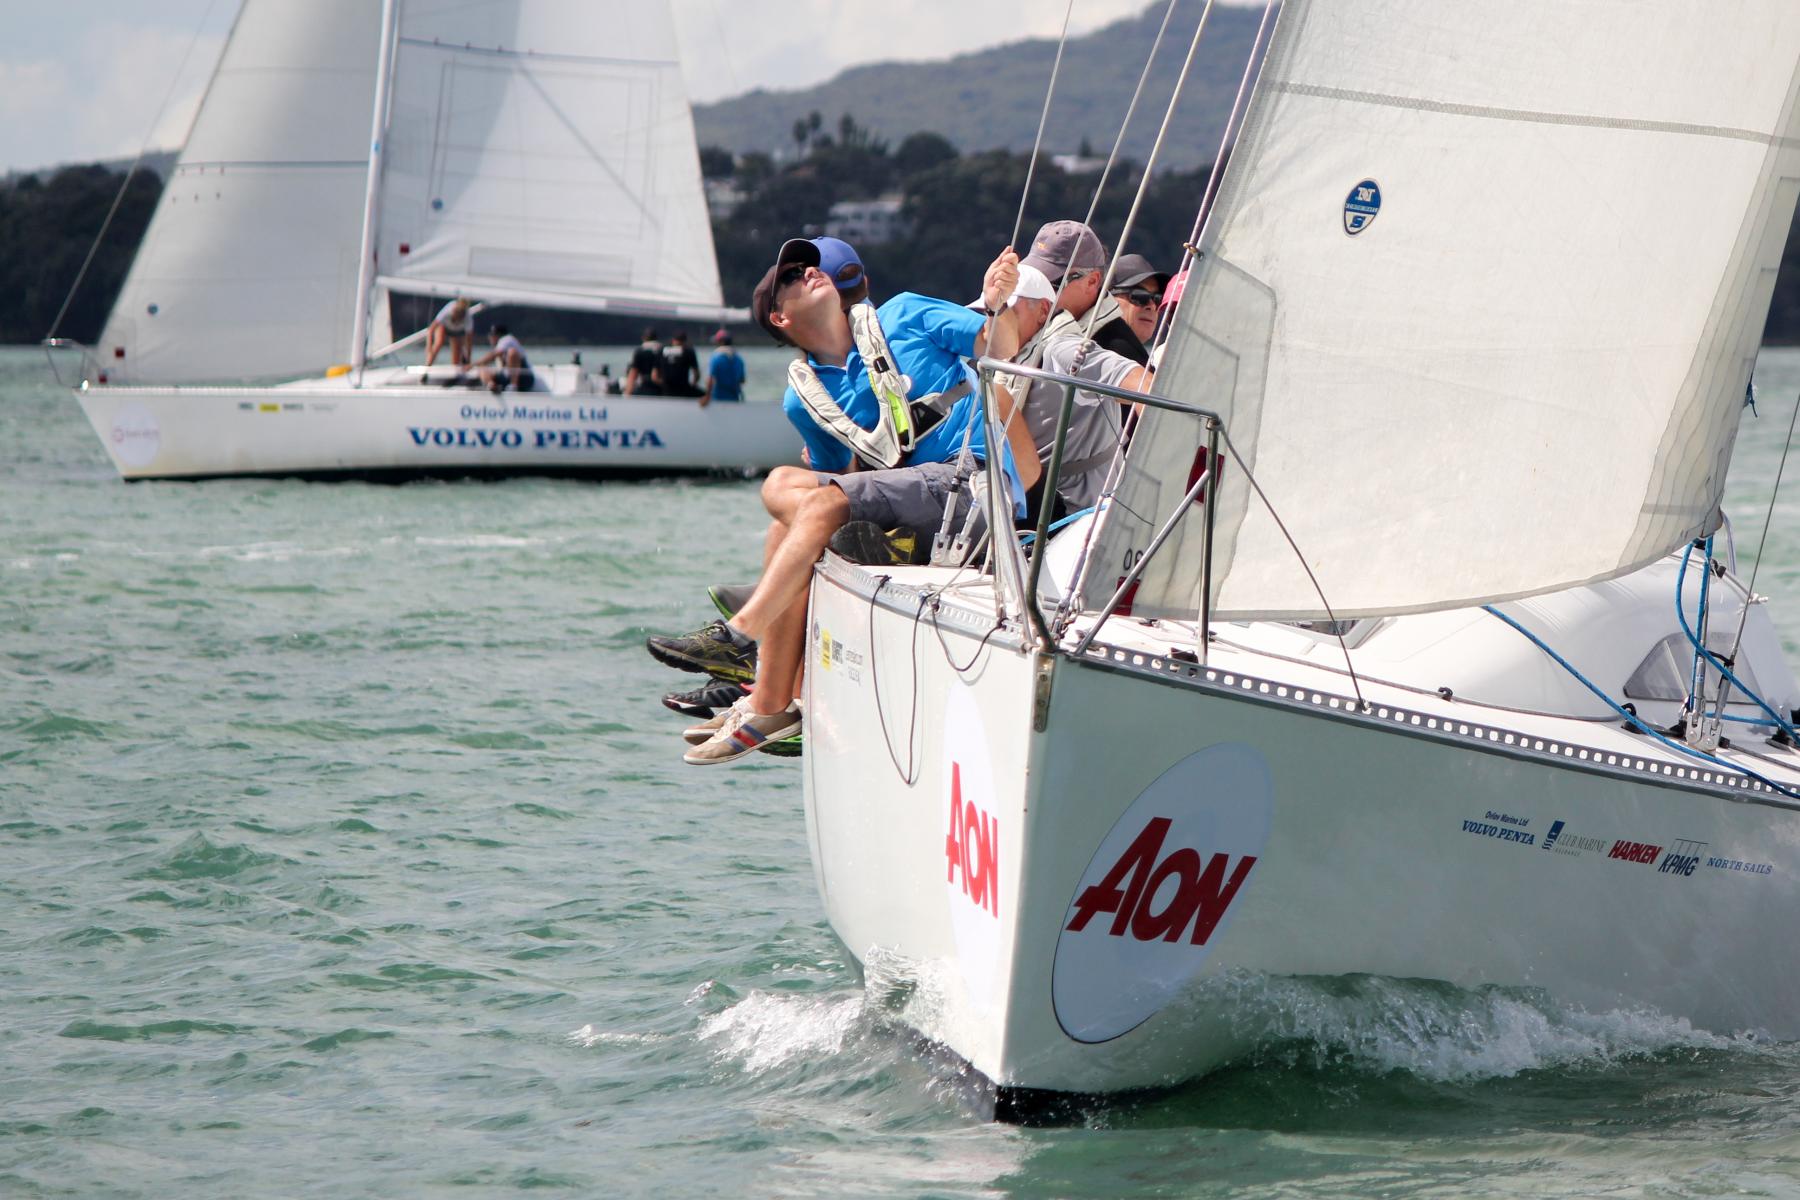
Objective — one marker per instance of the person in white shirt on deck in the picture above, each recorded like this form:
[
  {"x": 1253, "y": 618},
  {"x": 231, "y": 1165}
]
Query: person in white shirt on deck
[
  {"x": 456, "y": 325},
  {"x": 513, "y": 369}
]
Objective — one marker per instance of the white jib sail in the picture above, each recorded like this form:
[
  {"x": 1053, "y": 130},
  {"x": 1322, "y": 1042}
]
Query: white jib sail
[
  {"x": 1479, "y": 302},
  {"x": 248, "y": 268},
  {"x": 542, "y": 152}
]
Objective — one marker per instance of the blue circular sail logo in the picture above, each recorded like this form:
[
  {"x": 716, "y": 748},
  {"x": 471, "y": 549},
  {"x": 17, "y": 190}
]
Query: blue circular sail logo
[{"x": 1361, "y": 206}]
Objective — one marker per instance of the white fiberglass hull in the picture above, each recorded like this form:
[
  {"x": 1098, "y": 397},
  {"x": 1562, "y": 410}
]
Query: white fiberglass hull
[
  {"x": 1096, "y": 856},
  {"x": 330, "y": 429}
]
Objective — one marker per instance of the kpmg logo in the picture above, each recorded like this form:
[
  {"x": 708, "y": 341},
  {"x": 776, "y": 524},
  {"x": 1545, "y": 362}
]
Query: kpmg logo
[{"x": 1361, "y": 206}]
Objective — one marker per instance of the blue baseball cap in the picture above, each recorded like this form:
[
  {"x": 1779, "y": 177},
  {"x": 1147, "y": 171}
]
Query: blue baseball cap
[{"x": 838, "y": 259}]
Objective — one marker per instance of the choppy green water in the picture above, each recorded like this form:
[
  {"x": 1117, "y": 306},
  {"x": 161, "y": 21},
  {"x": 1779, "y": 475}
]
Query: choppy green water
[{"x": 344, "y": 850}]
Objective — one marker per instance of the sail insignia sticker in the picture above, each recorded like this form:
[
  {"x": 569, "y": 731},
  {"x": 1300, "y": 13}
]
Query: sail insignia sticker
[{"x": 1361, "y": 206}]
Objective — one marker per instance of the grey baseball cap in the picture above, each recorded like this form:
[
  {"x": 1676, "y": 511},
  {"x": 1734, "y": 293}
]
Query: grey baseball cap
[{"x": 1061, "y": 246}]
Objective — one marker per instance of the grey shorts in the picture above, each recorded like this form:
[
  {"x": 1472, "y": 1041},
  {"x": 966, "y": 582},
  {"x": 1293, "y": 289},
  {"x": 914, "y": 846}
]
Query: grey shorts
[{"x": 911, "y": 496}]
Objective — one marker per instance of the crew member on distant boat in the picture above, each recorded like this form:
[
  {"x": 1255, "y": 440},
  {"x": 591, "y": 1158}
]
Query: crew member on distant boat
[
  {"x": 505, "y": 365},
  {"x": 858, "y": 368},
  {"x": 724, "y": 372},
  {"x": 643, "y": 376},
  {"x": 453, "y": 325},
  {"x": 680, "y": 367}
]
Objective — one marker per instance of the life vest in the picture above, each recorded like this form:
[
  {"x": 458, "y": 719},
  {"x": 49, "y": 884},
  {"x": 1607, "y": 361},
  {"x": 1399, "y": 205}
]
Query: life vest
[{"x": 900, "y": 421}]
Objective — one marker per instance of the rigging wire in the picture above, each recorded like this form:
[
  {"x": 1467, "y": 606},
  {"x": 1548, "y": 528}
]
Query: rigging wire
[
  {"x": 1043, "y": 119},
  {"x": 1162, "y": 134},
  {"x": 1718, "y": 664},
  {"x": 119, "y": 196},
  {"x": 1349, "y": 666},
  {"x": 1750, "y": 589},
  {"x": 1214, "y": 175}
]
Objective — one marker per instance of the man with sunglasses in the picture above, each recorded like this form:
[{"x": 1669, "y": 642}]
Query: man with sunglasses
[
  {"x": 1111, "y": 354},
  {"x": 1137, "y": 288},
  {"x": 797, "y": 304}
]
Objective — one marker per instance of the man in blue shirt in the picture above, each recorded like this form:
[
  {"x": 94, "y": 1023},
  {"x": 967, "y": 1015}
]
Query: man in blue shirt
[
  {"x": 724, "y": 372},
  {"x": 797, "y": 303}
]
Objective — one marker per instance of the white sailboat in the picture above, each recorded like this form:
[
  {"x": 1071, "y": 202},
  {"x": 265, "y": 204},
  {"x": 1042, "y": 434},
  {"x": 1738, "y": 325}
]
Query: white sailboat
[
  {"x": 1474, "y": 313},
  {"x": 536, "y": 152}
]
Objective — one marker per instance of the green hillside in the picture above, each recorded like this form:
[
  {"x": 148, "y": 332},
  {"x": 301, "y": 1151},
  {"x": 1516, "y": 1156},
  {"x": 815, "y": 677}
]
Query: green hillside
[{"x": 992, "y": 99}]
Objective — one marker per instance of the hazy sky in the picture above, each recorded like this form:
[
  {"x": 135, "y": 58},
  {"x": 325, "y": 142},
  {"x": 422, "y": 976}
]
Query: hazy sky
[{"x": 86, "y": 79}]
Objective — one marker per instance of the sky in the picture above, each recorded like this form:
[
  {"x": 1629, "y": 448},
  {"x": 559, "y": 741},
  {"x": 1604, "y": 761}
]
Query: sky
[{"x": 102, "y": 78}]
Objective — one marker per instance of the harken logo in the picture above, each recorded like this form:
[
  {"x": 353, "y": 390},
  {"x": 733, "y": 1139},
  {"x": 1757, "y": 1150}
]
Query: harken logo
[
  {"x": 1361, "y": 206},
  {"x": 1160, "y": 891}
]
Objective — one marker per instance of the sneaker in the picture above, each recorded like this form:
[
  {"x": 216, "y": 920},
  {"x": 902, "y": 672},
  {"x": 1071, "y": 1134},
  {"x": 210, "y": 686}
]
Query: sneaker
[
  {"x": 787, "y": 747},
  {"x": 705, "y": 700},
  {"x": 710, "y": 649},
  {"x": 869, "y": 544},
  {"x": 729, "y": 598},
  {"x": 744, "y": 730},
  {"x": 696, "y": 734}
]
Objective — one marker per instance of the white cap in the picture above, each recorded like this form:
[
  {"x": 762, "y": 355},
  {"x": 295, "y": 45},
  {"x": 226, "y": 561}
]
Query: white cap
[{"x": 1033, "y": 285}]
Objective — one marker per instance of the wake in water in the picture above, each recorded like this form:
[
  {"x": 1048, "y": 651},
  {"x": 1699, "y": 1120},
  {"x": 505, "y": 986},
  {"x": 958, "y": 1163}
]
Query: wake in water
[
  {"x": 1439, "y": 1032},
  {"x": 1360, "y": 1024}
]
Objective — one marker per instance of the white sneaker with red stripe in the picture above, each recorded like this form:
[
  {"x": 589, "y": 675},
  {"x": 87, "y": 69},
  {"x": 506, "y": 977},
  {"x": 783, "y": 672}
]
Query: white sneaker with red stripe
[{"x": 743, "y": 731}]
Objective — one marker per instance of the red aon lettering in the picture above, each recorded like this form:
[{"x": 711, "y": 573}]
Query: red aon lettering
[{"x": 1202, "y": 894}]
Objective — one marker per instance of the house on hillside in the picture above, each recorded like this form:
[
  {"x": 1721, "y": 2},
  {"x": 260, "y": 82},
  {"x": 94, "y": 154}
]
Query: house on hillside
[{"x": 867, "y": 222}]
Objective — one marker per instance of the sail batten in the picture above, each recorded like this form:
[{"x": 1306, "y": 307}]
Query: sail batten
[{"x": 1478, "y": 302}]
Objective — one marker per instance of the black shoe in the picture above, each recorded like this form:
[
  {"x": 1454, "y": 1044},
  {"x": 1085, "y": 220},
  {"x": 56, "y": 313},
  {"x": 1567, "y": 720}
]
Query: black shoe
[
  {"x": 710, "y": 650},
  {"x": 702, "y": 702},
  {"x": 868, "y": 543},
  {"x": 729, "y": 598}
]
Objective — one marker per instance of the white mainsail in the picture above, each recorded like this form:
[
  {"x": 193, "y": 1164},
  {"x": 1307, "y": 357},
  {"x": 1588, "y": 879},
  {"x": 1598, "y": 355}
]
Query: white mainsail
[
  {"x": 542, "y": 152},
  {"x": 1479, "y": 302},
  {"x": 249, "y": 265}
]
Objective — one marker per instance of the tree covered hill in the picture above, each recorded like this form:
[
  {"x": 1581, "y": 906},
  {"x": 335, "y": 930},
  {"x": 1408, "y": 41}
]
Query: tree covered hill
[{"x": 992, "y": 99}]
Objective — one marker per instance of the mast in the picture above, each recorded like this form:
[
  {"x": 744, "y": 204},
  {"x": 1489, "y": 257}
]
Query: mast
[{"x": 365, "y": 276}]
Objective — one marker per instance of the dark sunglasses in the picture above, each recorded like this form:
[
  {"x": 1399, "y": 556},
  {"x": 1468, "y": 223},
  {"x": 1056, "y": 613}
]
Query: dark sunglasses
[
  {"x": 1139, "y": 296},
  {"x": 793, "y": 274}
]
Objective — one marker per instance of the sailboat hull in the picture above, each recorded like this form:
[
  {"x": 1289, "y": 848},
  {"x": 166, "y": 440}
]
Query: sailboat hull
[
  {"x": 1086, "y": 874},
  {"x": 409, "y": 431}
]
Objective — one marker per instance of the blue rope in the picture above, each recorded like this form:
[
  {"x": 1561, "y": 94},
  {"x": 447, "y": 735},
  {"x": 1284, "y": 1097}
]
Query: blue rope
[
  {"x": 1681, "y": 615},
  {"x": 1633, "y": 718},
  {"x": 1025, "y": 539}
]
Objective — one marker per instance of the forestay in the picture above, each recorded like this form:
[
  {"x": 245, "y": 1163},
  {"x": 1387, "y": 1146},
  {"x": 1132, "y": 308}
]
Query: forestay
[
  {"x": 1478, "y": 302},
  {"x": 542, "y": 151},
  {"x": 249, "y": 265}
]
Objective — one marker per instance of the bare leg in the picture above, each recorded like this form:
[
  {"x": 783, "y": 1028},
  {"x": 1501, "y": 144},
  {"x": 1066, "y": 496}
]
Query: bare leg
[
  {"x": 434, "y": 341},
  {"x": 462, "y": 350},
  {"x": 776, "y": 612}
]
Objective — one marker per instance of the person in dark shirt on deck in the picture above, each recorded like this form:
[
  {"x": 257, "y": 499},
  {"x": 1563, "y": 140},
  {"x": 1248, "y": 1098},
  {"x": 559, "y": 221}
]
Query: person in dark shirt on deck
[
  {"x": 644, "y": 376},
  {"x": 680, "y": 367}
]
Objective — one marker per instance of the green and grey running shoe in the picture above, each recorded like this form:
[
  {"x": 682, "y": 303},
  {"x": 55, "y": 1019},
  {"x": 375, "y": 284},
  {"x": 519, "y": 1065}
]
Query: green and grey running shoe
[
  {"x": 869, "y": 544},
  {"x": 729, "y": 598},
  {"x": 711, "y": 649}
]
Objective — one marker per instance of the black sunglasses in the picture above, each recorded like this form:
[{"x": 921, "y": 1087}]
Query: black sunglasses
[
  {"x": 1139, "y": 296},
  {"x": 793, "y": 274}
]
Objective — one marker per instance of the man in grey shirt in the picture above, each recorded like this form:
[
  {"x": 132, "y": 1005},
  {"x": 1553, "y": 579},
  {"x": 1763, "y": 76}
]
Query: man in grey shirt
[{"x": 1070, "y": 253}]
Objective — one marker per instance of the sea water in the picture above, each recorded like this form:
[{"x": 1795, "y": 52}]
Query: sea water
[{"x": 345, "y": 850}]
